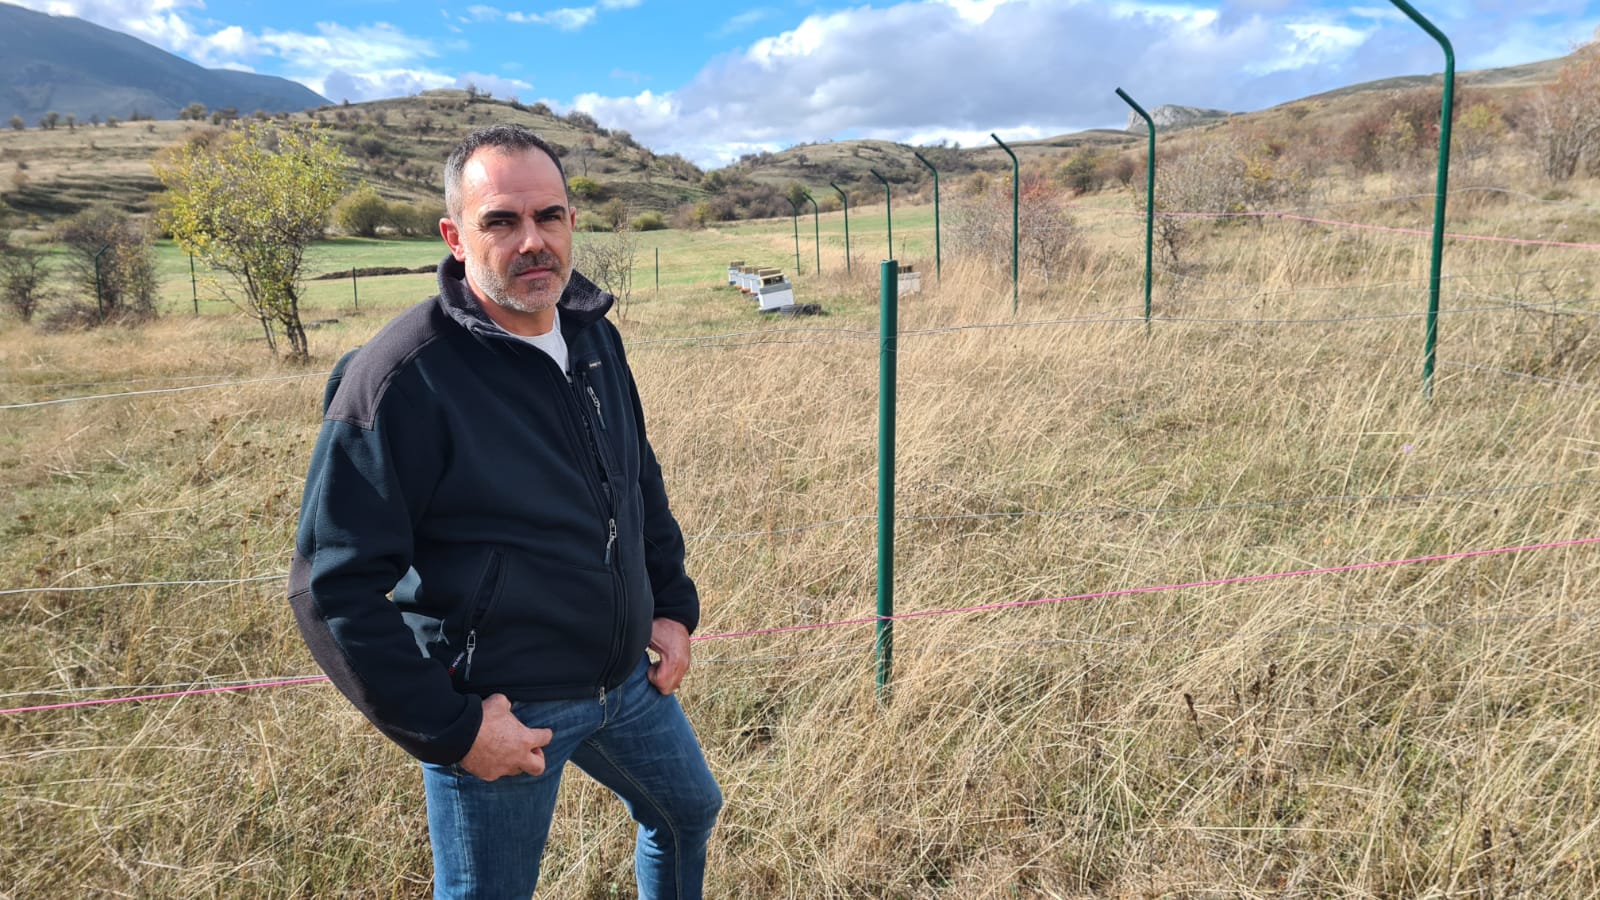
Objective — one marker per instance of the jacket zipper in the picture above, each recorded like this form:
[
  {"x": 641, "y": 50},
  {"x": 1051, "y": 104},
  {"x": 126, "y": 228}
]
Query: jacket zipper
[
  {"x": 611, "y": 524},
  {"x": 607, "y": 503},
  {"x": 489, "y": 588}
]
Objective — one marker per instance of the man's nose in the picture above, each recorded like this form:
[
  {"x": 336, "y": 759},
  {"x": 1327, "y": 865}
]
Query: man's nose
[{"x": 530, "y": 240}]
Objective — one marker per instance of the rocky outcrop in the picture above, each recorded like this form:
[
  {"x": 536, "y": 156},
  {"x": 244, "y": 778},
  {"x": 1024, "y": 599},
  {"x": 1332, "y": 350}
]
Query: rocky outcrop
[{"x": 1176, "y": 117}]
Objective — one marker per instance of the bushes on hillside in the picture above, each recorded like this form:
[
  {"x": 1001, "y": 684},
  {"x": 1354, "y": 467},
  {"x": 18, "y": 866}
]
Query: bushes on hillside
[{"x": 363, "y": 213}]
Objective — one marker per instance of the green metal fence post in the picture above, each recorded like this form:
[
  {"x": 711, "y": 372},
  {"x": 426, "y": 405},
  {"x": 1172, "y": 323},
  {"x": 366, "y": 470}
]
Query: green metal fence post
[
  {"x": 658, "y": 270},
  {"x": 889, "y": 275},
  {"x": 888, "y": 212},
  {"x": 796, "y": 207},
  {"x": 938, "y": 249},
  {"x": 816, "y": 227},
  {"x": 355, "y": 290},
  {"x": 1446, "y": 115},
  {"x": 845, "y": 199},
  {"x": 1016, "y": 220},
  {"x": 99, "y": 299},
  {"x": 1149, "y": 201},
  {"x": 194, "y": 286}
]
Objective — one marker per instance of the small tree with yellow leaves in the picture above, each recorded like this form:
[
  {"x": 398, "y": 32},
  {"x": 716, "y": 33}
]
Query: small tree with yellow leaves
[{"x": 250, "y": 204}]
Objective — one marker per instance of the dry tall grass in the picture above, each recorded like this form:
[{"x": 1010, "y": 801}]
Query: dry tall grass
[{"x": 1426, "y": 730}]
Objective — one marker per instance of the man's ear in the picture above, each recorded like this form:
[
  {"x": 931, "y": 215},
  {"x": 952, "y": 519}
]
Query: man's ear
[{"x": 452, "y": 237}]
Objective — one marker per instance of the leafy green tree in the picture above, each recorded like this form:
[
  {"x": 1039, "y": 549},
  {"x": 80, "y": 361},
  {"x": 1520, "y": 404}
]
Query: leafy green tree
[
  {"x": 17, "y": 124},
  {"x": 251, "y": 204},
  {"x": 583, "y": 187},
  {"x": 50, "y": 120},
  {"x": 195, "y": 112}
]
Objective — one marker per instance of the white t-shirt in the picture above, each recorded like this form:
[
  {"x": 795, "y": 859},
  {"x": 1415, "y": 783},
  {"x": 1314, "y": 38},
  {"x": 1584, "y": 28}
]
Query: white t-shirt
[{"x": 551, "y": 342}]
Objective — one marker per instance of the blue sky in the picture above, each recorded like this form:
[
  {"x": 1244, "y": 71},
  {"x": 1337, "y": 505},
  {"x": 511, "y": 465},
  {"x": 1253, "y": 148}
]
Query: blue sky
[{"x": 714, "y": 79}]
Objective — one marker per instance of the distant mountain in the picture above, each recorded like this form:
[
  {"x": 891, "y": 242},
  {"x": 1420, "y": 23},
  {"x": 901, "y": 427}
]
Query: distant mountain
[{"x": 72, "y": 67}]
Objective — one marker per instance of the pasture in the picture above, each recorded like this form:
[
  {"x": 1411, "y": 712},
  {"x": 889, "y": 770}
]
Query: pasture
[{"x": 1300, "y": 651}]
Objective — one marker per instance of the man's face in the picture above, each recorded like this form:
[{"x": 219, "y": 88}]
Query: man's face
[{"x": 514, "y": 229}]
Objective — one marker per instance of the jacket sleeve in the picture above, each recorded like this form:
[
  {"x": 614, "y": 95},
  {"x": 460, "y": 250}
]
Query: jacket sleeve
[
  {"x": 675, "y": 593},
  {"x": 367, "y": 485}
]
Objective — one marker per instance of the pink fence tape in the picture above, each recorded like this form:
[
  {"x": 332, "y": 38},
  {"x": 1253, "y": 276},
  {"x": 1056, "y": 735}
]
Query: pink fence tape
[{"x": 921, "y": 614}]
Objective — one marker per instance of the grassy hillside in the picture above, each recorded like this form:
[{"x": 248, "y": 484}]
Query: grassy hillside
[{"x": 398, "y": 146}]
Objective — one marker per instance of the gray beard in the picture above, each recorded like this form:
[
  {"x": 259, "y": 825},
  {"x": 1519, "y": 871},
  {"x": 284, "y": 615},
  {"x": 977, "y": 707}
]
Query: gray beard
[{"x": 495, "y": 288}]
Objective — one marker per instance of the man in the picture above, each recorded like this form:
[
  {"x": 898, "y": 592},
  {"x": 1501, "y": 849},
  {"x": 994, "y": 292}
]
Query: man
[{"x": 484, "y": 461}]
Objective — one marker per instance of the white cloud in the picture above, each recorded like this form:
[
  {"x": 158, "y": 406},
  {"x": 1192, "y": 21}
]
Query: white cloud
[
  {"x": 959, "y": 69},
  {"x": 340, "y": 85},
  {"x": 498, "y": 85},
  {"x": 569, "y": 19}
]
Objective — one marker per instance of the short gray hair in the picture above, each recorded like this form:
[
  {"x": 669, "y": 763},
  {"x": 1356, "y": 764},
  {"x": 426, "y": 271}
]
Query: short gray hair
[{"x": 505, "y": 137}]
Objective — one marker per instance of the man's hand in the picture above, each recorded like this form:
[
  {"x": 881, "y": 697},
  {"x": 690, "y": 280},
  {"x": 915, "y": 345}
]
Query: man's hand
[
  {"x": 670, "y": 640},
  {"x": 504, "y": 746}
]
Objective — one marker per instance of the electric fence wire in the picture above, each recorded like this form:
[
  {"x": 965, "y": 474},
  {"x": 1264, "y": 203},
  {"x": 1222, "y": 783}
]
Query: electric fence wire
[
  {"x": 1002, "y": 607},
  {"x": 938, "y": 518}
]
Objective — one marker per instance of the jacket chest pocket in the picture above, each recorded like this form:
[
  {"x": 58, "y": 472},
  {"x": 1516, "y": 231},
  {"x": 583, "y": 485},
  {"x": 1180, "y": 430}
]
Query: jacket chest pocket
[{"x": 608, "y": 419}]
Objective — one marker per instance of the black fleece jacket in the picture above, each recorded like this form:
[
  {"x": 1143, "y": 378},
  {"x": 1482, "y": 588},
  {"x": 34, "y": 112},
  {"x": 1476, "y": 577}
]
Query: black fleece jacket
[{"x": 473, "y": 523}]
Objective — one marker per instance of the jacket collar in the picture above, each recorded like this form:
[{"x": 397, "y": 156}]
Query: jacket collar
[{"x": 582, "y": 304}]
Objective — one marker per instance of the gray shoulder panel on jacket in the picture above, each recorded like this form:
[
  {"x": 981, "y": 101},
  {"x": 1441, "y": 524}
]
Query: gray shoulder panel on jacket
[{"x": 371, "y": 373}]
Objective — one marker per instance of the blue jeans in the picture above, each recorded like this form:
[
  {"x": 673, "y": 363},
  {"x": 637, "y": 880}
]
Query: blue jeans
[{"x": 488, "y": 836}]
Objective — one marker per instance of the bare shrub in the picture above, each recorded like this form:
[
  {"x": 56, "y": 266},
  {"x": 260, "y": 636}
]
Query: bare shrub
[
  {"x": 608, "y": 261},
  {"x": 978, "y": 222},
  {"x": 24, "y": 280},
  {"x": 1563, "y": 117},
  {"x": 109, "y": 262},
  {"x": 1236, "y": 171}
]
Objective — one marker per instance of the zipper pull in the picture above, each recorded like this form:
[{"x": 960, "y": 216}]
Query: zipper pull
[
  {"x": 472, "y": 644},
  {"x": 595, "y": 399},
  {"x": 456, "y": 663},
  {"x": 611, "y": 540}
]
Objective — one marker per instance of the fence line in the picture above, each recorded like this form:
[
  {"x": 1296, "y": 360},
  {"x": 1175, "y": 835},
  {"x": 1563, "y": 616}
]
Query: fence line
[
  {"x": 176, "y": 390},
  {"x": 776, "y": 337},
  {"x": 951, "y": 517},
  {"x": 140, "y": 584},
  {"x": 922, "y": 614},
  {"x": 86, "y": 384},
  {"x": 1336, "y": 223},
  {"x": 947, "y": 647}
]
